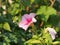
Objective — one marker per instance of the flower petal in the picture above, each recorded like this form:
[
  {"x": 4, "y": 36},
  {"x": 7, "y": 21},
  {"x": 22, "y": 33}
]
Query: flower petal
[
  {"x": 52, "y": 32},
  {"x": 24, "y": 17},
  {"x": 34, "y": 20},
  {"x": 32, "y": 15},
  {"x": 22, "y": 25},
  {"x": 27, "y": 19},
  {"x": 27, "y": 16},
  {"x": 53, "y": 36}
]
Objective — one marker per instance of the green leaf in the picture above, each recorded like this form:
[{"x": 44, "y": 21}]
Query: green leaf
[
  {"x": 46, "y": 11},
  {"x": 13, "y": 38},
  {"x": 1, "y": 25},
  {"x": 32, "y": 1},
  {"x": 4, "y": 43},
  {"x": 14, "y": 9},
  {"x": 33, "y": 41},
  {"x": 47, "y": 37},
  {"x": 54, "y": 19},
  {"x": 6, "y": 26},
  {"x": 56, "y": 43},
  {"x": 35, "y": 37},
  {"x": 26, "y": 2},
  {"x": 15, "y": 19},
  {"x": 7, "y": 39}
]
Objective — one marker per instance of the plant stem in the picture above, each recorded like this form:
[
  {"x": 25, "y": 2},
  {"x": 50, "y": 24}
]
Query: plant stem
[
  {"x": 41, "y": 24},
  {"x": 33, "y": 29},
  {"x": 52, "y": 2}
]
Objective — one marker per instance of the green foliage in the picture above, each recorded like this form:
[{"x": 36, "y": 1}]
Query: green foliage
[
  {"x": 45, "y": 12},
  {"x": 44, "y": 39},
  {"x": 6, "y": 26},
  {"x": 47, "y": 37},
  {"x": 56, "y": 43},
  {"x": 14, "y": 9},
  {"x": 11, "y": 34}
]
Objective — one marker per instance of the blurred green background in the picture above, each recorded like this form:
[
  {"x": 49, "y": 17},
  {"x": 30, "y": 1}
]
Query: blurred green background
[{"x": 11, "y": 12}]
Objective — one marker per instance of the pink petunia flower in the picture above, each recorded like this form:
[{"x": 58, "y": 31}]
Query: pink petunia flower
[
  {"x": 27, "y": 19},
  {"x": 52, "y": 32}
]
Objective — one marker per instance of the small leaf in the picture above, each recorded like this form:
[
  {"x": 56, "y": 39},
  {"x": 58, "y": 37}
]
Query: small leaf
[
  {"x": 15, "y": 19},
  {"x": 1, "y": 25},
  {"x": 32, "y": 1},
  {"x": 6, "y": 26},
  {"x": 35, "y": 37},
  {"x": 4, "y": 43},
  {"x": 33, "y": 41},
  {"x": 56, "y": 42},
  {"x": 46, "y": 11}
]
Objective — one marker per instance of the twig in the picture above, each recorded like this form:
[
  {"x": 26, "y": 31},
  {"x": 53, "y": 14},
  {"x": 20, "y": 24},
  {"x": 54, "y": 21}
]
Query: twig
[
  {"x": 32, "y": 25},
  {"x": 41, "y": 24},
  {"x": 52, "y": 2},
  {"x": 27, "y": 8}
]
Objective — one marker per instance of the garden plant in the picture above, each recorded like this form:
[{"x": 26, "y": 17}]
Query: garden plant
[{"x": 29, "y": 22}]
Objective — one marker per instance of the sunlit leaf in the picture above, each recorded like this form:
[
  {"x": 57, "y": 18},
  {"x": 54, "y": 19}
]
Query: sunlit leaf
[
  {"x": 32, "y": 1},
  {"x": 14, "y": 9},
  {"x": 35, "y": 37},
  {"x": 56, "y": 42},
  {"x": 47, "y": 37},
  {"x": 4, "y": 43},
  {"x": 6, "y": 26},
  {"x": 15, "y": 19},
  {"x": 33, "y": 41},
  {"x": 46, "y": 11}
]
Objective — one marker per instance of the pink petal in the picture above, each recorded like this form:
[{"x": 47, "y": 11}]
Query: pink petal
[
  {"x": 26, "y": 16},
  {"x": 52, "y": 32},
  {"x": 32, "y": 15},
  {"x": 53, "y": 36},
  {"x": 34, "y": 20},
  {"x": 24, "y": 25},
  {"x": 27, "y": 19}
]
